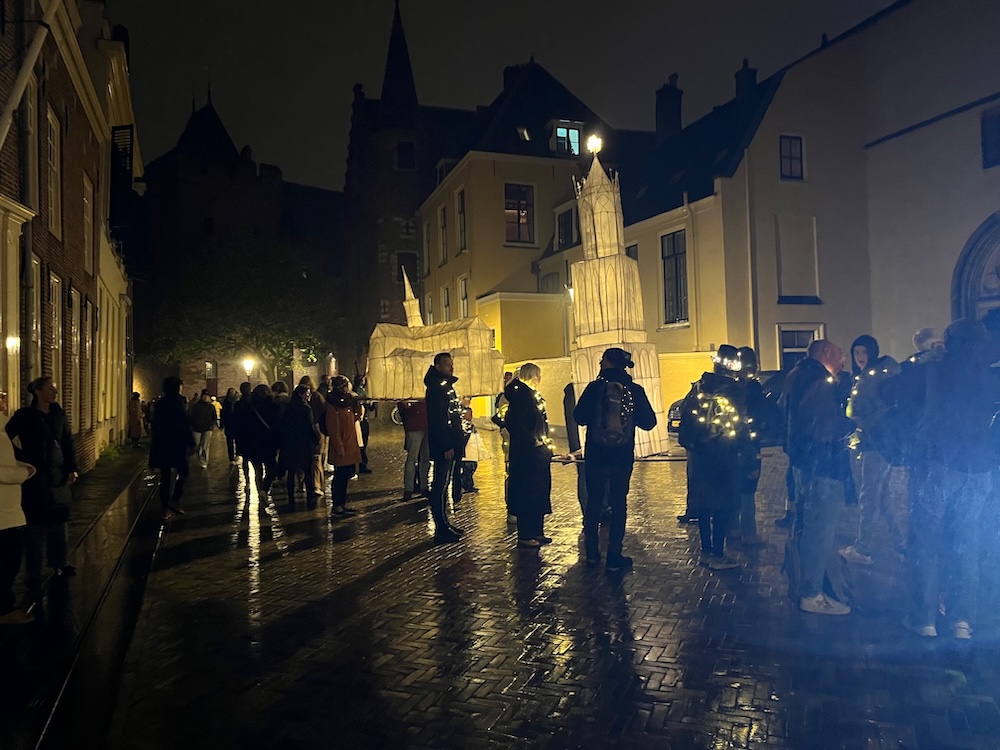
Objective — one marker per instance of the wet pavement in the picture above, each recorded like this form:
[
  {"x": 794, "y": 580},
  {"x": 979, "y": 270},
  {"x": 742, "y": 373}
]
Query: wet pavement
[
  {"x": 263, "y": 628},
  {"x": 70, "y": 657}
]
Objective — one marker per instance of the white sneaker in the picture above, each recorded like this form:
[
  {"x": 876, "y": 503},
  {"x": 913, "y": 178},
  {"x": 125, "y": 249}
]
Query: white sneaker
[
  {"x": 926, "y": 631},
  {"x": 852, "y": 555},
  {"x": 962, "y": 630},
  {"x": 821, "y": 604}
]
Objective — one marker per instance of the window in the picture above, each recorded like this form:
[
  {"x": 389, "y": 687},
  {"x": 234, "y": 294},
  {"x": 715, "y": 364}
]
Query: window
[
  {"x": 991, "y": 137},
  {"x": 673, "y": 252},
  {"x": 793, "y": 342},
  {"x": 445, "y": 304},
  {"x": 549, "y": 283},
  {"x": 632, "y": 251},
  {"x": 74, "y": 362},
  {"x": 211, "y": 370},
  {"x": 429, "y": 309},
  {"x": 463, "y": 297},
  {"x": 56, "y": 303},
  {"x": 384, "y": 307},
  {"x": 209, "y": 226},
  {"x": 564, "y": 229},
  {"x": 523, "y": 134},
  {"x": 36, "y": 317},
  {"x": 406, "y": 155},
  {"x": 30, "y": 103},
  {"x": 567, "y": 140},
  {"x": 407, "y": 229},
  {"x": 87, "y": 390},
  {"x": 792, "y": 161},
  {"x": 519, "y": 213},
  {"x": 427, "y": 247},
  {"x": 463, "y": 240},
  {"x": 53, "y": 174},
  {"x": 443, "y": 238},
  {"x": 88, "y": 225}
]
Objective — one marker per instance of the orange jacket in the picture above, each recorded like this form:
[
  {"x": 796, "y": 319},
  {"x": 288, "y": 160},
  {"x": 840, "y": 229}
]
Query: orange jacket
[{"x": 344, "y": 450}]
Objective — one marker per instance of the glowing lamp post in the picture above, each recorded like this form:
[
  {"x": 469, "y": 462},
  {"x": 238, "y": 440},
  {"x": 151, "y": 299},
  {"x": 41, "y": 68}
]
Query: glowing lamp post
[{"x": 248, "y": 367}]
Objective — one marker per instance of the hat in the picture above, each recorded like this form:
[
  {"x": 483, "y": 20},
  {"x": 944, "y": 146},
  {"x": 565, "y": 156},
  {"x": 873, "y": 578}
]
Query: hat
[
  {"x": 728, "y": 357},
  {"x": 618, "y": 357}
]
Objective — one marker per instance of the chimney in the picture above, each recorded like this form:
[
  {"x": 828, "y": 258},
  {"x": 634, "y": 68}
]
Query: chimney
[
  {"x": 746, "y": 81},
  {"x": 668, "y": 109}
]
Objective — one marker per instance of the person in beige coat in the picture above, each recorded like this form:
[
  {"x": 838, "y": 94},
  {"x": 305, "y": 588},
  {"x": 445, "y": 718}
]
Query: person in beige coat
[{"x": 12, "y": 474}]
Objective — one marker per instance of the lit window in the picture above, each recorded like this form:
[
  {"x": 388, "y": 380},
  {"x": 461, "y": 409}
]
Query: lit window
[
  {"x": 210, "y": 370},
  {"x": 567, "y": 140},
  {"x": 794, "y": 342},
  {"x": 53, "y": 174},
  {"x": 792, "y": 161},
  {"x": 56, "y": 303},
  {"x": 74, "y": 399},
  {"x": 519, "y": 213},
  {"x": 673, "y": 252}
]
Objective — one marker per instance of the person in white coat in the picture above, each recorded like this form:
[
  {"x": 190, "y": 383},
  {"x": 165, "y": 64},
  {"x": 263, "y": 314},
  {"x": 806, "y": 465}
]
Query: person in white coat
[{"x": 12, "y": 474}]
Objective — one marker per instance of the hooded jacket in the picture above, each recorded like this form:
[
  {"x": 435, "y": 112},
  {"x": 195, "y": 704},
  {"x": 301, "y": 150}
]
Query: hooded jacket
[
  {"x": 586, "y": 413},
  {"x": 444, "y": 416},
  {"x": 865, "y": 406},
  {"x": 817, "y": 427}
]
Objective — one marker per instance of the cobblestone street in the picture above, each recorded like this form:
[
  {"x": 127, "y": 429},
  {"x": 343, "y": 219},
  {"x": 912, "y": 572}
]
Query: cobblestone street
[{"x": 264, "y": 628}]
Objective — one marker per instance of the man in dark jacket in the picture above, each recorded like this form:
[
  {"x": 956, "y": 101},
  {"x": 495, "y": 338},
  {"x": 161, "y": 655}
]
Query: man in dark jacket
[
  {"x": 201, "y": 414},
  {"x": 952, "y": 400},
  {"x": 610, "y": 450},
  {"x": 446, "y": 441},
  {"x": 172, "y": 443},
  {"x": 817, "y": 450},
  {"x": 228, "y": 423}
]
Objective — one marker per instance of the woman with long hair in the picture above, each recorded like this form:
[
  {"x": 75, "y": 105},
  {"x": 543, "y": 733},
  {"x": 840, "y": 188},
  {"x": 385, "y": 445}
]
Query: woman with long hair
[{"x": 41, "y": 436}]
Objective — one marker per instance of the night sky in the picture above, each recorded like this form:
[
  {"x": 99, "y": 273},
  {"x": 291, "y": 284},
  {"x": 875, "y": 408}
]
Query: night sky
[{"x": 282, "y": 72}]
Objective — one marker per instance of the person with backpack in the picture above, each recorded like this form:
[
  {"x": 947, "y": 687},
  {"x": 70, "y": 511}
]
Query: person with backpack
[
  {"x": 611, "y": 408},
  {"x": 715, "y": 431}
]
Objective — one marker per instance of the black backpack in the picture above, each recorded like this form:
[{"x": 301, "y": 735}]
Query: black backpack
[{"x": 615, "y": 423}]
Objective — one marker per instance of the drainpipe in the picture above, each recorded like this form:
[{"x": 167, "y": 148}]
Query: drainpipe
[{"x": 28, "y": 65}]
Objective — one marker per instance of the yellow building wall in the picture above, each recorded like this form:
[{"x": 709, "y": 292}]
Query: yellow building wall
[{"x": 679, "y": 371}]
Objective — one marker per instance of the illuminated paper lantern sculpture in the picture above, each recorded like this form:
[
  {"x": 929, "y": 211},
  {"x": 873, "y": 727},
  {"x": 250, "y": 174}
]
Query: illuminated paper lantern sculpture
[
  {"x": 398, "y": 356},
  {"x": 607, "y": 300}
]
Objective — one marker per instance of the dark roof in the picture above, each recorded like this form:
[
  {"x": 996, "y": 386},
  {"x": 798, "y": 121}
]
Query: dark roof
[
  {"x": 399, "y": 92},
  {"x": 655, "y": 180},
  {"x": 205, "y": 138},
  {"x": 531, "y": 99}
]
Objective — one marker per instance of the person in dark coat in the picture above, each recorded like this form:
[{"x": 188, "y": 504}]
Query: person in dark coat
[
  {"x": 41, "y": 436},
  {"x": 368, "y": 408},
  {"x": 260, "y": 437},
  {"x": 228, "y": 422},
  {"x": 745, "y": 520},
  {"x": 816, "y": 443},
  {"x": 413, "y": 413},
  {"x": 172, "y": 444},
  {"x": 715, "y": 432},
  {"x": 952, "y": 399},
  {"x": 609, "y": 460},
  {"x": 299, "y": 440},
  {"x": 446, "y": 440},
  {"x": 530, "y": 483}
]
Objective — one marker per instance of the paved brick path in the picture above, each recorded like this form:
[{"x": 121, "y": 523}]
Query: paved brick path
[{"x": 263, "y": 628}]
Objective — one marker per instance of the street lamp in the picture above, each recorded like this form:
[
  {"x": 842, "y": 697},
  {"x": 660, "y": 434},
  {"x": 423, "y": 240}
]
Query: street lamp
[{"x": 248, "y": 367}]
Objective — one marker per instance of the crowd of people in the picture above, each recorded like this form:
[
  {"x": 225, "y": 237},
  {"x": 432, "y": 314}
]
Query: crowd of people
[{"x": 846, "y": 434}]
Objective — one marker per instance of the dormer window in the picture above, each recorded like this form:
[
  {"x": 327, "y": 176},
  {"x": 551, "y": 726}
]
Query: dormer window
[
  {"x": 566, "y": 137},
  {"x": 523, "y": 134}
]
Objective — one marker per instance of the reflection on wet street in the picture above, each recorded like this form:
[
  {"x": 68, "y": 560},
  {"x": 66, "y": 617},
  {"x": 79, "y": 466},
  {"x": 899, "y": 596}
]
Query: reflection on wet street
[{"x": 269, "y": 627}]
